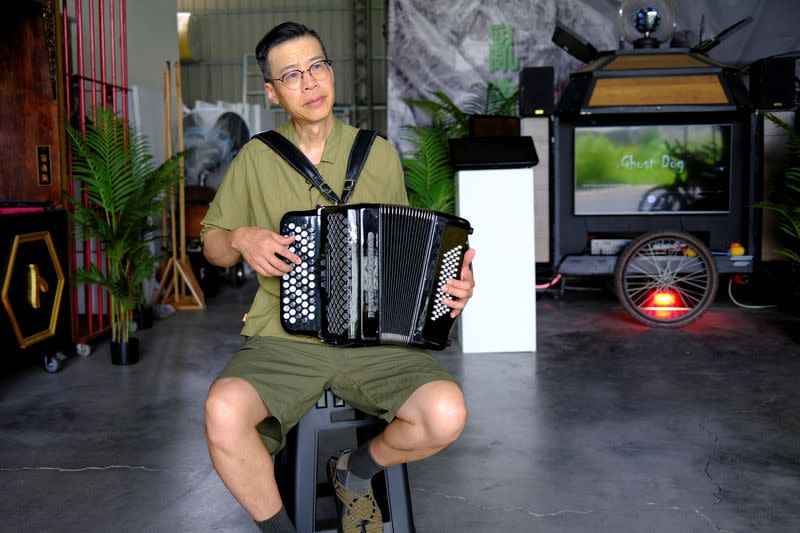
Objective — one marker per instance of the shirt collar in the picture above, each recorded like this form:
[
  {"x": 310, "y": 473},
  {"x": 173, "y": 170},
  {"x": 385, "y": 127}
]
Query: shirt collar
[{"x": 331, "y": 150}]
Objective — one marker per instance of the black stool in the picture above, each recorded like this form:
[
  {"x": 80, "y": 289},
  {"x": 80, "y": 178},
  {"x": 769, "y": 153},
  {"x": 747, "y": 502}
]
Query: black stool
[{"x": 301, "y": 469}]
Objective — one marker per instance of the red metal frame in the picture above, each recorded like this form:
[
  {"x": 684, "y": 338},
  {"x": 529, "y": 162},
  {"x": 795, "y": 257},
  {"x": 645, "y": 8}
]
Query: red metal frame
[{"x": 93, "y": 323}]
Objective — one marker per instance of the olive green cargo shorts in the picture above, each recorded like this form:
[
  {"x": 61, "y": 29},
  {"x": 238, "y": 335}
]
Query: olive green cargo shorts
[{"x": 290, "y": 377}]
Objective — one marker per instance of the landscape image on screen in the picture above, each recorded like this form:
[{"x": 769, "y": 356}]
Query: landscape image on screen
[{"x": 641, "y": 170}]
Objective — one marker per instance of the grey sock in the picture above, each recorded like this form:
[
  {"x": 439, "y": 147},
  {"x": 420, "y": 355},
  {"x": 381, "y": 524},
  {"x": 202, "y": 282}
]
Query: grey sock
[
  {"x": 356, "y": 469},
  {"x": 278, "y": 523}
]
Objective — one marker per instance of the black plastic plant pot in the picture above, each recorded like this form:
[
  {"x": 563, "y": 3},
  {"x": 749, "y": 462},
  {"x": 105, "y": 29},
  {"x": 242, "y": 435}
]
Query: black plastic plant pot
[{"x": 125, "y": 353}]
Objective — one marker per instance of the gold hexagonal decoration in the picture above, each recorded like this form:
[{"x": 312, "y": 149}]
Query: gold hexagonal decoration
[{"x": 35, "y": 285}]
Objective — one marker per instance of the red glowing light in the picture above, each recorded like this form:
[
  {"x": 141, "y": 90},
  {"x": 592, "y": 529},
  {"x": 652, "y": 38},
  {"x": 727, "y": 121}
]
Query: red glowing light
[
  {"x": 665, "y": 304},
  {"x": 664, "y": 299}
]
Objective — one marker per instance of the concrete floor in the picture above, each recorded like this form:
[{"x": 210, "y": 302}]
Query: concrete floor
[{"x": 609, "y": 427}]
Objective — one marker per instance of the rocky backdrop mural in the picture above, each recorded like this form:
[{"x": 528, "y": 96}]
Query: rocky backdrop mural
[{"x": 459, "y": 46}]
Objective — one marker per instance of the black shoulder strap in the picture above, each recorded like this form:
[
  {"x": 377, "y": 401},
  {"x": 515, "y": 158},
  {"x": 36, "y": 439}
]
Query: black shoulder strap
[
  {"x": 355, "y": 164},
  {"x": 298, "y": 161}
]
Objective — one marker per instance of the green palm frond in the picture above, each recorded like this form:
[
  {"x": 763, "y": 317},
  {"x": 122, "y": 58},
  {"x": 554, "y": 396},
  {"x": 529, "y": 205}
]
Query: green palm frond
[
  {"x": 789, "y": 254},
  {"x": 794, "y": 136},
  {"x": 143, "y": 263},
  {"x": 91, "y": 276},
  {"x": 111, "y": 162},
  {"x": 785, "y": 199},
  {"x": 444, "y": 113},
  {"x": 499, "y": 103},
  {"x": 428, "y": 172}
]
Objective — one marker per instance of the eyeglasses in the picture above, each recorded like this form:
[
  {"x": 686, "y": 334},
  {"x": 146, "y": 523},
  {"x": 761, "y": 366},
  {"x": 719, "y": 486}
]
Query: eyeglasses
[{"x": 321, "y": 70}]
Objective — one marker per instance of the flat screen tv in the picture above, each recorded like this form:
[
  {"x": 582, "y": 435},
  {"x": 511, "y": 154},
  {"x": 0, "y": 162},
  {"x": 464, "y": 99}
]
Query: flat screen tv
[{"x": 652, "y": 170}]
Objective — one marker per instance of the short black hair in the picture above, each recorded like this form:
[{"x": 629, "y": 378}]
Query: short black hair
[{"x": 285, "y": 31}]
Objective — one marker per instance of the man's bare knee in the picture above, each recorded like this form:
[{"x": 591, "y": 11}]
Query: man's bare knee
[
  {"x": 448, "y": 418},
  {"x": 232, "y": 408},
  {"x": 443, "y": 412}
]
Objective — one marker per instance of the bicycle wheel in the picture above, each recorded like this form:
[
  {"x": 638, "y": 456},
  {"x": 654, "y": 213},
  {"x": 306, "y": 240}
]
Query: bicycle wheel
[{"x": 666, "y": 279}]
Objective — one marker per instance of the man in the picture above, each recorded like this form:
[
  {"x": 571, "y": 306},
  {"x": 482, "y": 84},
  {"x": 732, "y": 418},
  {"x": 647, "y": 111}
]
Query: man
[{"x": 276, "y": 377}]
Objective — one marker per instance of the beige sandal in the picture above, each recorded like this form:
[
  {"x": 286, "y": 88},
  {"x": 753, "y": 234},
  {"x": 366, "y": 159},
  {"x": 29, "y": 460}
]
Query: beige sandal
[{"x": 357, "y": 513}]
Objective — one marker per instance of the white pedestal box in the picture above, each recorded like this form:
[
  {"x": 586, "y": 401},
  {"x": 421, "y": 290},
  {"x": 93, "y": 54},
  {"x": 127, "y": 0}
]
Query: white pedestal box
[{"x": 501, "y": 316}]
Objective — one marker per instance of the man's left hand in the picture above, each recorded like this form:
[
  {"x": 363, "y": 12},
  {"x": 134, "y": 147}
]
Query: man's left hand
[{"x": 460, "y": 290}]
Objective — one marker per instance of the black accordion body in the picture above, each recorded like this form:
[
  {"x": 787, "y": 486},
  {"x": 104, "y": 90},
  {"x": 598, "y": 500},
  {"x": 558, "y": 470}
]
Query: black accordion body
[{"x": 372, "y": 274}]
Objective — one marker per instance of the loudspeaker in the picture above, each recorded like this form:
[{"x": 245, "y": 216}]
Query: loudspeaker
[
  {"x": 574, "y": 44},
  {"x": 772, "y": 83},
  {"x": 536, "y": 91}
]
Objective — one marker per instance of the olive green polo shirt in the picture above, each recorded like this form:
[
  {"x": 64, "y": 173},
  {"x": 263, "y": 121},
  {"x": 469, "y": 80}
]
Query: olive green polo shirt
[{"x": 260, "y": 187}]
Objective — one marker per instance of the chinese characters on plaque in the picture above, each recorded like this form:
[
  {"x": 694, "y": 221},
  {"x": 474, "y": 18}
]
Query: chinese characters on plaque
[{"x": 43, "y": 166}]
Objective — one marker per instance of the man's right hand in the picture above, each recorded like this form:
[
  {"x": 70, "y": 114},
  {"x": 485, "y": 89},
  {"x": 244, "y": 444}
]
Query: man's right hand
[{"x": 258, "y": 247}]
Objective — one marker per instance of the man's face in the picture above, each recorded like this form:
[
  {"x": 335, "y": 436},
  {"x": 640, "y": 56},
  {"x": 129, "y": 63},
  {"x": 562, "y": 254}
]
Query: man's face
[{"x": 313, "y": 100}]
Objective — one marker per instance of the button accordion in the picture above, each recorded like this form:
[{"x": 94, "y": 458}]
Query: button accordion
[{"x": 372, "y": 274}]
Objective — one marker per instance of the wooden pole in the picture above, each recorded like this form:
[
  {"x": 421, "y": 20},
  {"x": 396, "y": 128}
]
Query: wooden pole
[
  {"x": 181, "y": 193},
  {"x": 168, "y": 119},
  {"x": 164, "y": 242}
]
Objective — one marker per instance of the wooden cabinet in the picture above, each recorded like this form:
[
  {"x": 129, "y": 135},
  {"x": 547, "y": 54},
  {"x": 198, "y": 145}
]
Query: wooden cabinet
[{"x": 31, "y": 125}]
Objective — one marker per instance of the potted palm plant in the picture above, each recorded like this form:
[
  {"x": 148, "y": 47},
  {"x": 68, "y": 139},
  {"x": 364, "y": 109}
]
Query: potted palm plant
[
  {"x": 113, "y": 166},
  {"x": 428, "y": 171},
  {"x": 784, "y": 202}
]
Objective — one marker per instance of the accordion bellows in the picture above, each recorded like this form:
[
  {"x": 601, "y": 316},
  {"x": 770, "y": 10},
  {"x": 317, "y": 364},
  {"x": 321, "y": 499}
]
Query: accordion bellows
[{"x": 372, "y": 274}]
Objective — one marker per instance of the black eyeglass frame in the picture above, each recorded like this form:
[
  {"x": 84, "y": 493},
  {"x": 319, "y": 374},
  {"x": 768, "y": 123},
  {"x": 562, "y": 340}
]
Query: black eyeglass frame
[{"x": 328, "y": 62}]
